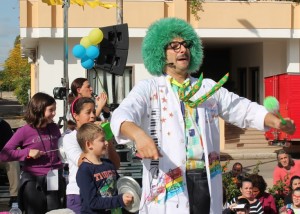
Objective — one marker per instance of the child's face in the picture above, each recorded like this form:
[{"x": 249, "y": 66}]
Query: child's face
[
  {"x": 50, "y": 112},
  {"x": 296, "y": 183},
  {"x": 99, "y": 145},
  {"x": 86, "y": 115},
  {"x": 296, "y": 198}
]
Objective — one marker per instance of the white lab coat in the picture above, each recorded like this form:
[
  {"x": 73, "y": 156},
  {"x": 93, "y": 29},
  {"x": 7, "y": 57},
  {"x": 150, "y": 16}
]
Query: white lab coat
[{"x": 157, "y": 93}]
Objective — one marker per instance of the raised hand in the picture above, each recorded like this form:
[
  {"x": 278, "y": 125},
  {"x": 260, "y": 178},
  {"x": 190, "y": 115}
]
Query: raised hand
[{"x": 101, "y": 100}]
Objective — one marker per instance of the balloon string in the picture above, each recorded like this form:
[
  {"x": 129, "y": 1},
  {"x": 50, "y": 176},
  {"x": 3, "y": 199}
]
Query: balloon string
[{"x": 283, "y": 121}]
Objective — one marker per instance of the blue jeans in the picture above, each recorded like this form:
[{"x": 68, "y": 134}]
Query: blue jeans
[{"x": 199, "y": 197}]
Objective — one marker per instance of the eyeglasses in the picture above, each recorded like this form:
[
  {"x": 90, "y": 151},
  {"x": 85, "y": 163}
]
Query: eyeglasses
[{"x": 177, "y": 45}]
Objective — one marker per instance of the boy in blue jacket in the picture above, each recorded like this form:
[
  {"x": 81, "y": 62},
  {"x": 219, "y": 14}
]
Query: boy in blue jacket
[{"x": 96, "y": 176}]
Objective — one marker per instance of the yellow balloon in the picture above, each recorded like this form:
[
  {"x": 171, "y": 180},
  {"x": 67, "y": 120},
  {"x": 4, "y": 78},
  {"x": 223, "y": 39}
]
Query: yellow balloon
[
  {"x": 85, "y": 42},
  {"x": 96, "y": 36}
]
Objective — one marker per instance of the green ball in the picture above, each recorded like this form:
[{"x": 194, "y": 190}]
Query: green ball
[{"x": 271, "y": 104}]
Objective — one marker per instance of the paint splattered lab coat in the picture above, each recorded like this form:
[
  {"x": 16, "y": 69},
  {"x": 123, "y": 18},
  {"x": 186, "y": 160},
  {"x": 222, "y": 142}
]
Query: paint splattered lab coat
[{"x": 167, "y": 192}]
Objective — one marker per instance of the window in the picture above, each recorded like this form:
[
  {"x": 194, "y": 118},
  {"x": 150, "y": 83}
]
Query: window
[{"x": 116, "y": 89}]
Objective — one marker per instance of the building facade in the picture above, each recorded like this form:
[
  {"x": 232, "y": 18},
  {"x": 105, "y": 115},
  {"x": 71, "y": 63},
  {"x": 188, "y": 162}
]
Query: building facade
[{"x": 249, "y": 39}]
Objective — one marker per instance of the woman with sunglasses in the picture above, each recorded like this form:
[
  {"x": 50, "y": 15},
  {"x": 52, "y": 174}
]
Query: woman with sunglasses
[
  {"x": 295, "y": 205},
  {"x": 295, "y": 183}
]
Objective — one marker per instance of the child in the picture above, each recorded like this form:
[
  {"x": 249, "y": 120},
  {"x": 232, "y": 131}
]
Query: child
[
  {"x": 36, "y": 145},
  {"x": 295, "y": 206},
  {"x": 96, "y": 177},
  {"x": 83, "y": 111}
]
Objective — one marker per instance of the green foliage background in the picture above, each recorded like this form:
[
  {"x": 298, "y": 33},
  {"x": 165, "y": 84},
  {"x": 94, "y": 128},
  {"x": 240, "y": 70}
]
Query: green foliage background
[{"x": 16, "y": 74}]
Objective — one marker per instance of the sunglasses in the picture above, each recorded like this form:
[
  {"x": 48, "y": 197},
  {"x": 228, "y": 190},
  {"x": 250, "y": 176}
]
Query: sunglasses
[
  {"x": 177, "y": 45},
  {"x": 296, "y": 196}
]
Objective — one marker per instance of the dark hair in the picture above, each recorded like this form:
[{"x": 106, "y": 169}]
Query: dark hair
[
  {"x": 78, "y": 104},
  {"x": 35, "y": 113},
  {"x": 237, "y": 164},
  {"x": 77, "y": 83},
  {"x": 245, "y": 180},
  {"x": 259, "y": 182},
  {"x": 292, "y": 180},
  {"x": 297, "y": 189},
  {"x": 88, "y": 132},
  {"x": 244, "y": 201},
  {"x": 291, "y": 161}
]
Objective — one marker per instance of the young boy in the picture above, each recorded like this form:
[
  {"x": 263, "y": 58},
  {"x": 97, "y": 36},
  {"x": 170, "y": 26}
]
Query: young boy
[{"x": 96, "y": 177}]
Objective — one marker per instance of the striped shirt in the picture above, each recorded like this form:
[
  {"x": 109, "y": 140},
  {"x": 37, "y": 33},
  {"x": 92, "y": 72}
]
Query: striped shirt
[{"x": 255, "y": 208}]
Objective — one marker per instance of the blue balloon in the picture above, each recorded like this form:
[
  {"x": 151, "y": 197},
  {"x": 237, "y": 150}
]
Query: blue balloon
[
  {"x": 92, "y": 52},
  {"x": 87, "y": 62},
  {"x": 79, "y": 51}
]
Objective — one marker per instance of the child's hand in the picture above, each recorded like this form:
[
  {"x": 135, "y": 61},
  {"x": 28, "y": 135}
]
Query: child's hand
[
  {"x": 35, "y": 153},
  {"x": 127, "y": 199}
]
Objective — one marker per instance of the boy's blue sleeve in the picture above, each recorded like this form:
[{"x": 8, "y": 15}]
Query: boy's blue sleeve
[{"x": 88, "y": 192}]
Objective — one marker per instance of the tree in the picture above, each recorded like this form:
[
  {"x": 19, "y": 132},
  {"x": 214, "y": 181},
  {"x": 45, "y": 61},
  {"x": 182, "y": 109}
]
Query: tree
[{"x": 16, "y": 74}]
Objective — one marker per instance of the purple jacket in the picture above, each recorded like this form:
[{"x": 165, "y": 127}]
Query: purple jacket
[
  {"x": 268, "y": 203},
  {"x": 26, "y": 138}
]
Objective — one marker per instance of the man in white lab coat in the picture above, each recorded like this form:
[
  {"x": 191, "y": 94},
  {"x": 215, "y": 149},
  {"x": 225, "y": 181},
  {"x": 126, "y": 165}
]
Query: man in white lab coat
[{"x": 173, "y": 120}]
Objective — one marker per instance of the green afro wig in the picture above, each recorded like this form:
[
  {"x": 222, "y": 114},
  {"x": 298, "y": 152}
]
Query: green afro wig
[{"x": 159, "y": 35}]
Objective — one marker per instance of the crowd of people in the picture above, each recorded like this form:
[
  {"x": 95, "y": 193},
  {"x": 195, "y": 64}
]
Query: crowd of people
[
  {"x": 173, "y": 121},
  {"x": 253, "y": 187}
]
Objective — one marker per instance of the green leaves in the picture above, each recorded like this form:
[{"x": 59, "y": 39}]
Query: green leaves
[
  {"x": 16, "y": 74},
  {"x": 196, "y": 6}
]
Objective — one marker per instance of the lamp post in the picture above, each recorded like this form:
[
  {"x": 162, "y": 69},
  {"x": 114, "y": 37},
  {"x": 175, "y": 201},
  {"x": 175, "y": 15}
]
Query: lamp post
[
  {"x": 119, "y": 90},
  {"x": 65, "y": 79}
]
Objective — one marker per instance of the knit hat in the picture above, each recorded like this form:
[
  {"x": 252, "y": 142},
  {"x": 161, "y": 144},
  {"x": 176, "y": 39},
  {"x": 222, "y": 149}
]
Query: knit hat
[{"x": 159, "y": 35}]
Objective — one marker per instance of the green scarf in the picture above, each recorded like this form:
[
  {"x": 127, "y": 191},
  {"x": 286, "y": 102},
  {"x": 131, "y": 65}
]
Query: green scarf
[{"x": 195, "y": 88}]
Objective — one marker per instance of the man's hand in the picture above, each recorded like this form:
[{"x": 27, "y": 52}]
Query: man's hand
[
  {"x": 273, "y": 121},
  {"x": 146, "y": 147},
  {"x": 289, "y": 127},
  {"x": 144, "y": 143}
]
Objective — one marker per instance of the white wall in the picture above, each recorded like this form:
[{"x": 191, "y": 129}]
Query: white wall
[
  {"x": 51, "y": 67},
  {"x": 293, "y": 56},
  {"x": 135, "y": 59},
  {"x": 274, "y": 58}
]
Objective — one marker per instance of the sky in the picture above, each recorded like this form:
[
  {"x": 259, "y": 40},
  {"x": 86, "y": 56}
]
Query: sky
[{"x": 9, "y": 27}]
